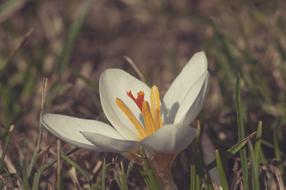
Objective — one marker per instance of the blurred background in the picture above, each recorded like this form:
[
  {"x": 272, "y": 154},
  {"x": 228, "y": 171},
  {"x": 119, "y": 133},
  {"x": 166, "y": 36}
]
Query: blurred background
[{"x": 71, "y": 42}]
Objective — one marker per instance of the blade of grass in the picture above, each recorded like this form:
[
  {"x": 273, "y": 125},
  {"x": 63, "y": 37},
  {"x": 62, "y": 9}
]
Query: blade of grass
[
  {"x": 83, "y": 172},
  {"x": 72, "y": 36},
  {"x": 277, "y": 151},
  {"x": 221, "y": 172},
  {"x": 238, "y": 146},
  {"x": 255, "y": 158},
  {"x": 257, "y": 148},
  {"x": 193, "y": 177},
  {"x": 103, "y": 175},
  {"x": 5, "y": 149},
  {"x": 8, "y": 8},
  {"x": 43, "y": 168},
  {"x": 241, "y": 135},
  {"x": 197, "y": 159},
  {"x": 149, "y": 175},
  {"x": 59, "y": 166},
  {"x": 233, "y": 150},
  {"x": 24, "y": 40},
  {"x": 198, "y": 164},
  {"x": 36, "y": 180},
  {"x": 275, "y": 146},
  {"x": 39, "y": 140},
  {"x": 121, "y": 176},
  {"x": 198, "y": 182}
]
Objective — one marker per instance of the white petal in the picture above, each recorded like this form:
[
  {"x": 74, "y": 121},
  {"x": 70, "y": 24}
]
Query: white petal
[
  {"x": 170, "y": 138},
  {"x": 109, "y": 143},
  {"x": 185, "y": 88},
  {"x": 115, "y": 83},
  {"x": 68, "y": 129},
  {"x": 189, "y": 113}
]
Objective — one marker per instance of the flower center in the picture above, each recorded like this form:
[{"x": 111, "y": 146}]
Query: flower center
[{"x": 150, "y": 112}]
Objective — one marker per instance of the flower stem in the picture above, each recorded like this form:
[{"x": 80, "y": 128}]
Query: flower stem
[
  {"x": 149, "y": 176},
  {"x": 161, "y": 164}
]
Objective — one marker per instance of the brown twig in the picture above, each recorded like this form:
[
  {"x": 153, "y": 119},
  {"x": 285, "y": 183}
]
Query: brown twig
[
  {"x": 135, "y": 68},
  {"x": 59, "y": 164},
  {"x": 37, "y": 149},
  {"x": 21, "y": 44}
]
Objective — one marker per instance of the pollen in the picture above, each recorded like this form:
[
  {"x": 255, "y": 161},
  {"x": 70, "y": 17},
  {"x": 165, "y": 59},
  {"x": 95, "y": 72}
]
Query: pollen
[{"x": 150, "y": 112}]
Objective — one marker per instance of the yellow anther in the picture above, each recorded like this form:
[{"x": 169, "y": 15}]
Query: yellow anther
[
  {"x": 150, "y": 112},
  {"x": 158, "y": 119},
  {"x": 155, "y": 106},
  {"x": 148, "y": 119},
  {"x": 131, "y": 117}
]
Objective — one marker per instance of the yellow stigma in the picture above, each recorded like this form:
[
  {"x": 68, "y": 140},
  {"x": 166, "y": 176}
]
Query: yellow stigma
[{"x": 150, "y": 112}]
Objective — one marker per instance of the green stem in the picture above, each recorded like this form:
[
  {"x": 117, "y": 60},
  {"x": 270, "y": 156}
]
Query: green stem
[{"x": 161, "y": 164}]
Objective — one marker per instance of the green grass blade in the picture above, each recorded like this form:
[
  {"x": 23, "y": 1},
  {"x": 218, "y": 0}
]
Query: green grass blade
[
  {"x": 197, "y": 164},
  {"x": 103, "y": 175},
  {"x": 121, "y": 176},
  {"x": 5, "y": 149},
  {"x": 8, "y": 8},
  {"x": 255, "y": 158},
  {"x": 257, "y": 148},
  {"x": 198, "y": 182},
  {"x": 253, "y": 166},
  {"x": 40, "y": 134},
  {"x": 193, "y": 177},
  {"x": 241, "y": 135},
  {"x": 83, "y": 172},
  {"x": 36, "y": 180},
  {"x": 238, "y": 146},
  {"x": 149, "y": 176},
  {"x": 221, "y": 172},
  {"x": 59, "y": 167},
  {"x": 233, "y": 150},
  {"x": 72, "y": 36},
  {"x": 275, "y": 146},
  {"x": 44, "y": 167}
]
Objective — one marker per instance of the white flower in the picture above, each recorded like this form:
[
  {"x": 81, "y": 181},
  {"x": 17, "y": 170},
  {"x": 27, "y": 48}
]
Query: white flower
[{"x": 139, "y": 121}]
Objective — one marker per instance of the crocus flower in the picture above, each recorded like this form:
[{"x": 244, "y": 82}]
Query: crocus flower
[{"x": 137, "y": 116}]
